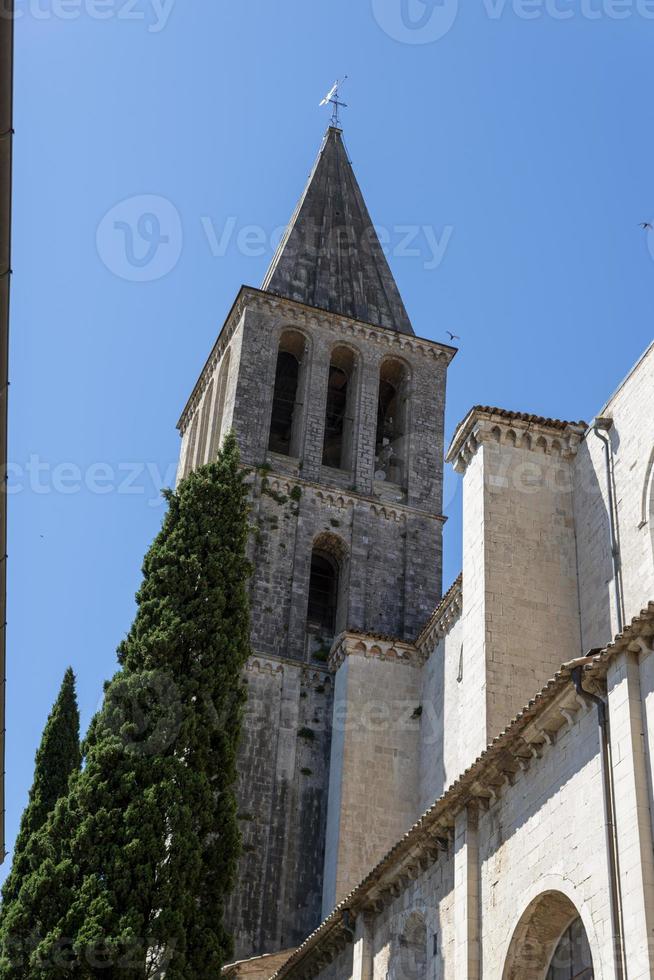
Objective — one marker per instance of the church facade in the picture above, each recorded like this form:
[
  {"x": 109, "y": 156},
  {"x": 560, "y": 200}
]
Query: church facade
[{"x": 431, "y": 786}]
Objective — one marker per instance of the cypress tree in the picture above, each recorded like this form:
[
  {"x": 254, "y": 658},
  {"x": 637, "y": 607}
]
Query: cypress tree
[
  {"x": 142, "y": 852},
  {"x": 57, "y": 757}
]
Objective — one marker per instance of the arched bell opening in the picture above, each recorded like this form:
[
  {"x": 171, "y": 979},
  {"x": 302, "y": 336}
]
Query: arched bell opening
[
  {"x": 392, "y": 443},
  {"x": 286, "y": 420},
  {"x": 338, "y": 444}
]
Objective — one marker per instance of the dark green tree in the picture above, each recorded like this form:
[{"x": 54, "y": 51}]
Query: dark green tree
[
  {"x": 141, "y": 854},
  {"x": 57, "y": 758}
]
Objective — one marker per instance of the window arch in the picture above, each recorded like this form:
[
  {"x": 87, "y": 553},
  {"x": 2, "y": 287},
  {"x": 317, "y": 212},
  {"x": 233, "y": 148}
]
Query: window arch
[
  {"x": 339, "y": 415},
  {"x": 205, "y": 414},
  {"x": 391, "y": 443},
  {"x": 323, "y": 592},
  {"x": 409, "y": 955},
  {"x": 550, "y": 941},
  {"x": 286, "y": 418},
  {"x": 219, "y": 411},
  {"x": 191, "y": 446},
  {"x": 572, "y": 959},
  {"x": 326, "y": 593}
]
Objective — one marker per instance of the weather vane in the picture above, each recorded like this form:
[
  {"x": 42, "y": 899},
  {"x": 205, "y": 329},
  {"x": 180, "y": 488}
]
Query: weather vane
[{"x": 332, "y": 99}]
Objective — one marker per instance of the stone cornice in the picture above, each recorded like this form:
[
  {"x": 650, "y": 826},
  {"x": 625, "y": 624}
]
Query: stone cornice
[
  {"x": 371, "y": 647},
  {"x": 441, "y": 621},
  {"x": 300, "y": 315},
  {"x": 514, "y": 750},
  {"x": 344, "y": 499},
  {"x": 271, "y": 663},
  {"x": 515, "y": 429}
]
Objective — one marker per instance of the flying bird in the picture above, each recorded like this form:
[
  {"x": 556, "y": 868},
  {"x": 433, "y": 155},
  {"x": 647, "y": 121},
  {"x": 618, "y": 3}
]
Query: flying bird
[{"x": 452, "y": 336}]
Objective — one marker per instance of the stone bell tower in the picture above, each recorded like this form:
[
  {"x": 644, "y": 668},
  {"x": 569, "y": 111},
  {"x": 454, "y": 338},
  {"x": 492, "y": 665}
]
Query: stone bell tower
[{"x": 338, "y": 410}]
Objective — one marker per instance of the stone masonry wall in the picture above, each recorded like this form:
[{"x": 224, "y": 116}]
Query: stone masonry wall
[
  {"x": 373, "y": 796},
  {"x": 443, "y": 739},
  {"x": 283, "y": 767},
  {"x": 519, "y": 567},
  {"x": 386, "y": 537},
  {"x": 547, "y": 833},
  {"x": 631, "y": 409},
  {"x": 538, "y": 847}
]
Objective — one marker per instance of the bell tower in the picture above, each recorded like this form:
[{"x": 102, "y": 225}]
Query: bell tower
[{"x": 338, "y": 410}]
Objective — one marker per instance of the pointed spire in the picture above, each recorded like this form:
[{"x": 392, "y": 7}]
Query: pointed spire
[{"x": 330, "y": 256}]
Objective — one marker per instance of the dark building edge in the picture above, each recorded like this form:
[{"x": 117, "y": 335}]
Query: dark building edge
[{"x": 6, "y": 134}]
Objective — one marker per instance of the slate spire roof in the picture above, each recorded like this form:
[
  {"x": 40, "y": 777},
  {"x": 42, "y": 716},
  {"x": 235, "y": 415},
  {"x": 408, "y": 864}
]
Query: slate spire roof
[{"x": 330, "y": 256}]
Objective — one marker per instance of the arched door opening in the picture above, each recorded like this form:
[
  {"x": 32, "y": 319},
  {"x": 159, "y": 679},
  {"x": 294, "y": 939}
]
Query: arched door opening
[
  {"x": 550, "y": 941},
  {"x": 339, "y": 415},
  {"x": 286, "y": 418},
  {"x": 391, "y": 444}
]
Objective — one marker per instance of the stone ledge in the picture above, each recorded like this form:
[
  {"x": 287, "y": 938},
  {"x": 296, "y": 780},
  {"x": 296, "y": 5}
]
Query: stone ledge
[
  {"x": 515, "y": 429},
  {"x": 371, "y": 647}
]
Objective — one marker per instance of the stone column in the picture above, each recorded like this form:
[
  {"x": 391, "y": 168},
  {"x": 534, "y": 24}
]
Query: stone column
[
  {"x": 367, "y": 423},
  {"x": 466, "y": 895},
  {"x": 315, "y": 405},
  {"x": 632, "y": 814},
  {"x": 362, "y": 957}
]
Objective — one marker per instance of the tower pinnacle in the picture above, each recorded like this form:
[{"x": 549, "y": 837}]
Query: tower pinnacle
[{"x": 330, "y": 256}]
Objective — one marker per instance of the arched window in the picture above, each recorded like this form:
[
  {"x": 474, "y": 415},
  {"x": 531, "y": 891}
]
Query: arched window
[
  {"x": 391, "y": 444},
  {"x": 286, "y": 418},
  {"x": 549, "y": 941},
  {"x": 205, "y": 414},
  {"x": 323, "y": 593},
  {"x": 572, "y": 959},
  {"x": 326, "y": 603},
  {"x": 409, "y": 955},
  {"x": 647, "y": 517},
  {"x": 191, "y": 446},
  {"x": 339, "y": 416},
  {"x": 219, "y": 412}
]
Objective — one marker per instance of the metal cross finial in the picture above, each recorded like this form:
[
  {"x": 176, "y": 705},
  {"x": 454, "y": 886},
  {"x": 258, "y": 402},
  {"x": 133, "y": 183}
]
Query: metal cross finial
[{"x": 332, "y": 99}]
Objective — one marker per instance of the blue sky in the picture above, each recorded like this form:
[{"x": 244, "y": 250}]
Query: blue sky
[{"x": 514, "y": 141}]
